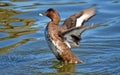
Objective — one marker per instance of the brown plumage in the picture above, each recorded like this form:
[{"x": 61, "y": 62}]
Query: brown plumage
[{"x": 56, "y": 36}]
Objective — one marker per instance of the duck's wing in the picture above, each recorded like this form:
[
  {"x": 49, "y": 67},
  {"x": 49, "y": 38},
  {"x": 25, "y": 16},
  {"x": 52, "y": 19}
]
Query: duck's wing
[
  {"x": 77, "y": 19},
  {"x": 73, "y": 36}
]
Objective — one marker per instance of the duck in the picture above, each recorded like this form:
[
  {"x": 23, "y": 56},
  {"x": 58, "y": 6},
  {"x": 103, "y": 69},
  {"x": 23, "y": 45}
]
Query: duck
[{"x": 61, "y": 38}]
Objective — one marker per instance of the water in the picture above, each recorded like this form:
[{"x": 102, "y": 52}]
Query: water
[{"x": 23, "y": 49}]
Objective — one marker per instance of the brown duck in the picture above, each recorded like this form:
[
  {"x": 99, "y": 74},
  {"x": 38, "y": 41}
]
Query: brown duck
[{"x": 61, "y": 38}]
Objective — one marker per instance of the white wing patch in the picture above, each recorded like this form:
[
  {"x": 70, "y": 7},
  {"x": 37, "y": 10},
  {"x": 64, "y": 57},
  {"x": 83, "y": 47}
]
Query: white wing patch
[{"x": 81, "y": 19}]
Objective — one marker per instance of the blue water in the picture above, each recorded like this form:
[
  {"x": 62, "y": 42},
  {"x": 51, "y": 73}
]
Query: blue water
[{"x": 24, "y": 51}]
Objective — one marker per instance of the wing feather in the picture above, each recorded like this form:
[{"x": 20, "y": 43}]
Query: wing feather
[
  {"x": 77, "y": 19},
  {"x": 73, "y": 35}
]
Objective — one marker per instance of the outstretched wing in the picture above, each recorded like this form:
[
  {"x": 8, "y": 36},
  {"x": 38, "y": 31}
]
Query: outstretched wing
[
  {"x": 78, "y": 19},
  {"x": 73, "y": 35}
]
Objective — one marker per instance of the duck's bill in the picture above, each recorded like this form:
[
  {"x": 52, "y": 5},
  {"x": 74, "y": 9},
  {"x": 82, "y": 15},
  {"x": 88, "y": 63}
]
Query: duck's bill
[{"x": 41, "y": 14}]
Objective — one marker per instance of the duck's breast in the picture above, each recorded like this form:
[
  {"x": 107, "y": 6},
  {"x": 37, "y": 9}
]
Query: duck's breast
[{"x": 52, "y": 45}]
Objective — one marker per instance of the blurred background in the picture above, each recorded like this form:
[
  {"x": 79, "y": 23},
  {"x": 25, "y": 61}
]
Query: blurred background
[{"x": 24, "y": 51}]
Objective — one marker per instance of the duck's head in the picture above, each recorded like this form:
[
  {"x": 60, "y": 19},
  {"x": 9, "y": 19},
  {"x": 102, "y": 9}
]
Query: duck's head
[{"x": 52, "y": 14}]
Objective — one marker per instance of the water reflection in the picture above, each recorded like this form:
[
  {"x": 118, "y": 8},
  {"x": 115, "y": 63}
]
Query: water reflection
[
  {"x": 7, "y": 48},
  {"x": 5, "y": 4},
  {"x": 14, "y": 27},
  {"x": 65, "y": 68}
]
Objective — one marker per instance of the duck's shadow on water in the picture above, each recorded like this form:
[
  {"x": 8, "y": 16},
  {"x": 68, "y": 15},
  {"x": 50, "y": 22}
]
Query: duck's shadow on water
[{"x": 63, "y": 68}]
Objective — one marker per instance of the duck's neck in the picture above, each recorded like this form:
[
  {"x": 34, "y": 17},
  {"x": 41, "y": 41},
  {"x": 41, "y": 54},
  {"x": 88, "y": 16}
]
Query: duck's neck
[{"x": 55, "y": 19}]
